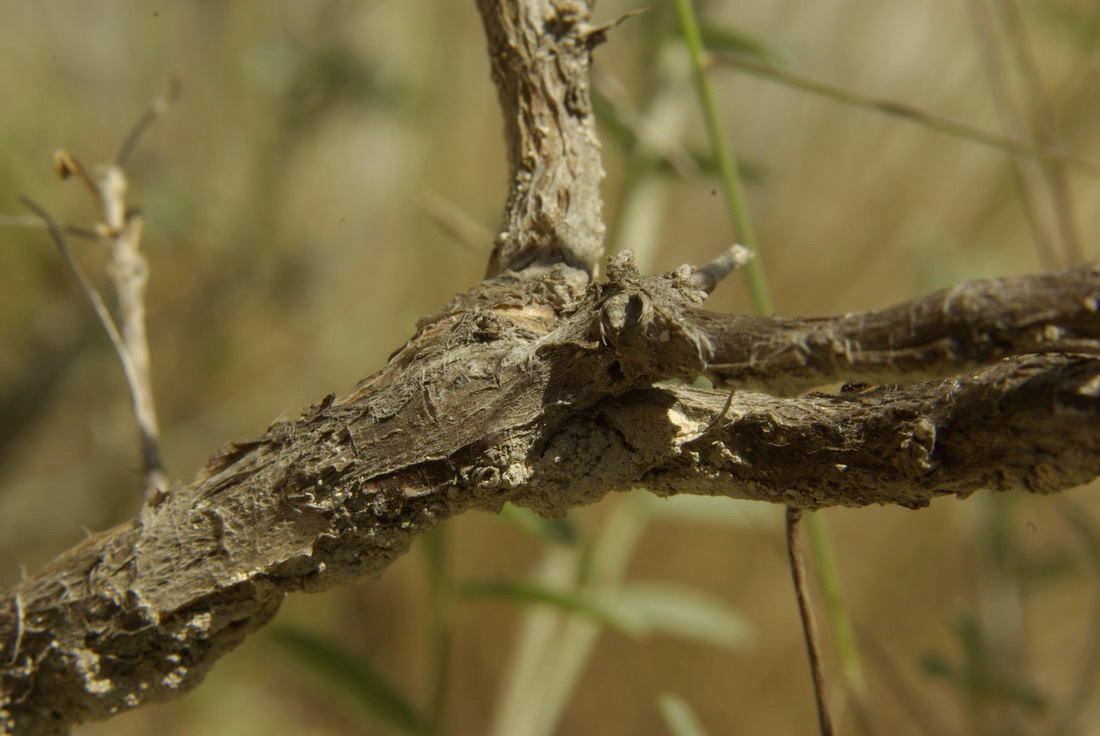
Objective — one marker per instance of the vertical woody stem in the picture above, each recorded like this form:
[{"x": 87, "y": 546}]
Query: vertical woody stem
[{"x": 540, "y": 52}]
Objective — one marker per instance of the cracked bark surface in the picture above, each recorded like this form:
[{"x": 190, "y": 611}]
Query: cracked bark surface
[{"x": 544, "y": 387}]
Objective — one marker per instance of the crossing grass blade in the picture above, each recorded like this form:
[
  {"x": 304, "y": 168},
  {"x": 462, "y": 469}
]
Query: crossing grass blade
[{"x": 366, "y": 685}]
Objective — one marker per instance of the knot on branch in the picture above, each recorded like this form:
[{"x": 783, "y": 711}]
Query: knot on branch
[
  {"x": 642, "y": 318},
  {"x": 565, "y": 17}
]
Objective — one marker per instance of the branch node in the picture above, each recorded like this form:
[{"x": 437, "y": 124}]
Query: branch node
[
  {"x": 708, "y": 277},
  {"x": 621, "y": 265}
]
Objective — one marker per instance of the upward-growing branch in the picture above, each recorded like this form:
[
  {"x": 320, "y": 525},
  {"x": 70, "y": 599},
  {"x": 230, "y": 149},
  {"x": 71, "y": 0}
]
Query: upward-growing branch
[{"x": 540, "y": 52}]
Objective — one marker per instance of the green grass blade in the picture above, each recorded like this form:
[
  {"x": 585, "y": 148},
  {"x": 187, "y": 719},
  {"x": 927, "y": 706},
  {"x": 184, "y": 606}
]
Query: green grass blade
[
  {"x": 715, "y": 511},
  {"x": 758, "y": 289},
  {"x": 743, "y": 43},
  {"x": 440, "y": 624},
  {"x": 368, "y": 686},
  {"x": 595, "y": 608},
  {"x": 727, "y": 162},
  {"x": 841, "y": 624},
  {"x": 559, "y": 531},
  {"x": 684, "y": 612},
  {"x": 680, "y": 718}
]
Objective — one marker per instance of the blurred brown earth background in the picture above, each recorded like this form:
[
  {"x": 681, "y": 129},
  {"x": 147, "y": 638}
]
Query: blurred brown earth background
[{"x": 292, "y": 201}]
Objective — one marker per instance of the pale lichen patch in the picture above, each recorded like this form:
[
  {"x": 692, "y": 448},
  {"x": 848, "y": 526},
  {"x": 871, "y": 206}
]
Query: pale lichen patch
[
  {"x": 687, "y": 429},
  {"x": 87, "y": 664}
]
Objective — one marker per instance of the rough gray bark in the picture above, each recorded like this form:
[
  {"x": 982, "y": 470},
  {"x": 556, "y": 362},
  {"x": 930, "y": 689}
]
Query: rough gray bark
[
  {"x": 540, "y": 51},
  {"x": 543, "y": 387}
]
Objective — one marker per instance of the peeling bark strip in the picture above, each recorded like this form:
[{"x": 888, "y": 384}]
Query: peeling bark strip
[{"x": 544, "y": 388}]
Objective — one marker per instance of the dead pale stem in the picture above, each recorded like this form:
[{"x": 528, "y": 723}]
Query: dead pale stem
[
  {"x": 128, "y": 271},
  {"x": 35, "y": 222},
  {"x": 809, "y": 623},
  {"x": 157, "y": 107}
]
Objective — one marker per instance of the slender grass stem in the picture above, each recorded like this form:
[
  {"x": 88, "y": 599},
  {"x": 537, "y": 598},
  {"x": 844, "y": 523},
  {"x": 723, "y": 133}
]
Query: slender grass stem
[
  {"x": 755, "y": 277},
  {"x": 1086, "y": 682},
  {"x": 440, "y": 626},
  {"x": 839, "y": 621},
  {"x": 909, "y": 112}
]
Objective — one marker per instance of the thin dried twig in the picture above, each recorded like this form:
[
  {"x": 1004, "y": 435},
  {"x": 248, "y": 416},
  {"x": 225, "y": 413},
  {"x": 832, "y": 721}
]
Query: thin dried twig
[
  {"x": 454, "y": 221},
  {"x": 157, "y": 107},
  {"x": 709, "y": 276},
  {"x": 129, "y": 271},
  {"x": 120, "y": 229},
  {"x": 909, "y": 112},
  {"x": 129, "y": 343},
  {"x": 86, "y": 285},
  {"x": 809, "y": 623},
  {"x": 35, "y": 222}
]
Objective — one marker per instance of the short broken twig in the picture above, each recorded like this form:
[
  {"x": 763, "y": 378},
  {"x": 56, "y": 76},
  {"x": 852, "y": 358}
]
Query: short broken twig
[
  {"x": 157, "y": 107},
  {"x": 709, "y": 276},
  {"x": 128, "y": 270}
]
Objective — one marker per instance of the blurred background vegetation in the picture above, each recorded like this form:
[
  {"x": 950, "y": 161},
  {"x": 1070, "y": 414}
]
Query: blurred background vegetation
[{"x": 301, "y": 203}]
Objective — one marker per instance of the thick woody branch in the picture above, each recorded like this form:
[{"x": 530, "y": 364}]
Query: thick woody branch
[
  {"x": 1030, "y": 423},
  {"x": 945, "y": 332},
  {"x": 539, "y": 391},
  {"x": 540, "y": 51}
]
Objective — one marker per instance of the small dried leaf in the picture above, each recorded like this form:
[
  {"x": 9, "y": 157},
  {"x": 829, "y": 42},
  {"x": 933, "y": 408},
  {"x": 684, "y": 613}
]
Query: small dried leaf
[{"x": 64, "y": 164}]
